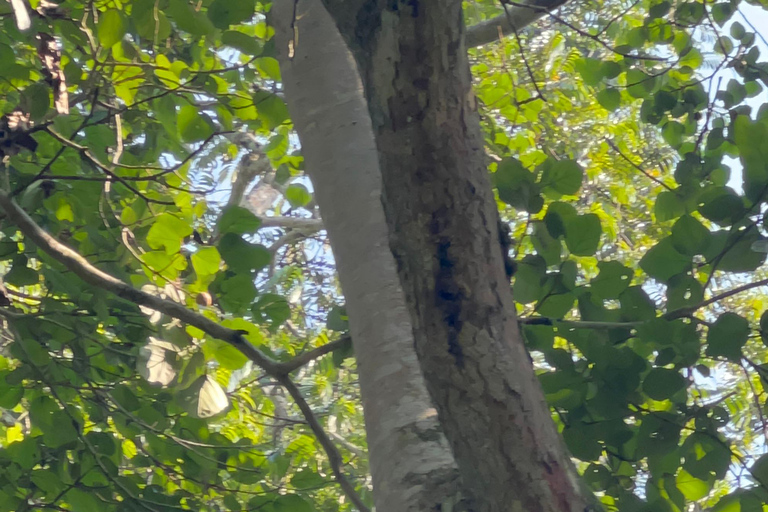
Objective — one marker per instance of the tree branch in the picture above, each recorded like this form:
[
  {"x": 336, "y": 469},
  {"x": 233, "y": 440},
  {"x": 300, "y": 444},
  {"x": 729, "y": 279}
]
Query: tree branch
[
  {"x": 683, "y": 312},
  {"x": 579, "y": 324},
  {"x": 516, "y": 18},
  {"x": 292, "y": 223},
  {"x": 95, "y": 277},
  {"x": 302, "y": 359},
  {"x": 82, "y": 268},
  {"x": 671, "y": 315}
]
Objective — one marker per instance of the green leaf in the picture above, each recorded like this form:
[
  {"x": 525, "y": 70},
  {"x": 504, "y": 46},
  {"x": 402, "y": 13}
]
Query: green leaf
[
  {"x": 724, "y": 45},
  {"x": 291, "y": 503},
  {"x": 20, "y": 274},
  {"x": 272, "y": 307},
  {"x": 154, "y": 25},
  {"x": 721, "y": 205},
  {"x": 238, "y": 220},
  {"x": 237, "y": 292},
  {"x": 591, "y": 70},
  {"x": 7, "y": 56},
  {"x": 48, "y": 481},
  {"x": 737, "y": 30},
  {"x": 83, "y": 501},
  {"x": 760, "y": 469},
  {"x": 640, "y": 85},
  {"x": 243, "y": 42},
  {"x": 764, "y": 327},
  {"x": 683, "y": 291},
  {"x": 662, "y": 383},
  {"x": 738, "y": 254},
  {"x": 187, "y": 19},
  {"x": 668, "y": 206},
  {"x": 692, "y": 58},
  {"x": 673, "y": 132},
  {"x": 722, "y": 12},
  {"x": 126, "y": 398},
  {"x": 242, "y": 256},
  {"x": 111, "y": 28},
  {"x": 529, "y": 280},
  {"x": 582, "y": 442},
  {"x": 206, "y": 261},
  {"x": 298, "y": 195},
  {"x": 338, "y": 320},
  {"x": 613, "y": 279},
  {"x": 689, "y": 236},
  {"x": 271, "y": 108},
  {"x": 692, "y": 488},
  {"x": 556, "y": 305},
  {"x": 636, "y": 305},
  {"x": 167, "y": 232},
  {"x": 193, "y": 126},
  {"x": 558, "y": 214},
  {"x": 748, "y": 135},
  {"x": 546, "y": 246},
  {"x": 269, "y": 67},
  {"x": 36, "y": 100},
  {"x": 61, "y": 431},
  {"x": 563, "y": 176},
  {"x": 224, "y": 13},
  {"x": 662, "y": 261},
  {"x": 706, "y": 455},
  {"x": 516, "y": 184},
  {"x": 727, "y": 336},
  {"x": 10, "y": 395},
  {"x": 609, "y": 98},
  {"x": 227, "y": 355},
  {"x": 582, "y": 235}
]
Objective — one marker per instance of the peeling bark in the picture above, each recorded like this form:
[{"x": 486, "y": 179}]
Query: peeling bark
[
  {"x": 410, "y": 460},
  {"x": 442, "y": 219}
]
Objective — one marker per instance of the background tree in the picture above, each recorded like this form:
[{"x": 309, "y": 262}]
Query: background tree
[{"x": 125, "y": 146}]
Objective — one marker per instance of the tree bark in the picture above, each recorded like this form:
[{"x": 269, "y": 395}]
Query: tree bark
[
  {"x": 411, "y": 464},
  {"x": 442, "y": 222}
]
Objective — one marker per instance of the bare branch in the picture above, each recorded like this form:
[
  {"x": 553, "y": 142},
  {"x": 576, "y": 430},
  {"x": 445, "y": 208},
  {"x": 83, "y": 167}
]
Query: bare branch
[
  {"x": 516, "y": 18},
  {"x": 356, "y": 450},
  {"x": 292, "y": 223}
]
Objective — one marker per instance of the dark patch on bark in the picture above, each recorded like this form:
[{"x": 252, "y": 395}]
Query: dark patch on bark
[
  {"x": 505, "y": 241},
  {"x": 414, "y": 5},
  {"x": 432, "y": 434},
  {"x": 421, "y": 83},
  {"x": 449, "y": 298},
  {"x": 367, "y": 24}
]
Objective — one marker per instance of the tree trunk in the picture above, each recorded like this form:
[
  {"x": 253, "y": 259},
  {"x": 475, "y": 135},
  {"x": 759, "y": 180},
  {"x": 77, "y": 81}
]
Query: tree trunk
[
  {"x": 443, "y": 233},
  {"x": 410, "y": 460}
]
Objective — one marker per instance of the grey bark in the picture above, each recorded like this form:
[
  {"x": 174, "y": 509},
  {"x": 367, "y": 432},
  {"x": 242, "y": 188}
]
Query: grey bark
[
  {"x": 442, "y": 222},
  {"x": 410, "y": 461}
]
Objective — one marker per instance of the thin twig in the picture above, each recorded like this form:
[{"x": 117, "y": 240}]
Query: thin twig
[
  {"x": 334, "y": 456},
  {"x": 636, "y": 166}
]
